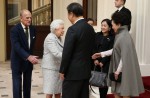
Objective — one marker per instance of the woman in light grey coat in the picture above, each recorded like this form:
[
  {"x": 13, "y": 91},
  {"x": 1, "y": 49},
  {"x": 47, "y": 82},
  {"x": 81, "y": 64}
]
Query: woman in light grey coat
[
  {"x": 124, "y": 59},
  {"x": 51, "y": 60}
]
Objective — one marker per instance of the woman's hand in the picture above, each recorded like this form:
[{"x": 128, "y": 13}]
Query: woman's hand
[
  {"x": 96, "y": 62},
  {"x": 101, "y": 64},
  {"x": 96, "y": 55},
  {"x": 116, "y": 75}
]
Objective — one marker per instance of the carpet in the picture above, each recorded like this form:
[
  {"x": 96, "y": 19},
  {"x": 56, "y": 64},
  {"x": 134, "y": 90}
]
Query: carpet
[{"x": 146, "y": 94}]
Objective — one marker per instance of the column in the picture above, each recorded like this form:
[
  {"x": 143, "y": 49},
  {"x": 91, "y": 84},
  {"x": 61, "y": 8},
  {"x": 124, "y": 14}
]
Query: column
[{"x": 3, "y": 32}]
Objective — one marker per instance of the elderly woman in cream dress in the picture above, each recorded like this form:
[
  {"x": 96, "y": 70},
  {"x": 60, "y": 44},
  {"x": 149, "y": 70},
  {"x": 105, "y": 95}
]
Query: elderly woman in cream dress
[{"x": 52, "y": 55}]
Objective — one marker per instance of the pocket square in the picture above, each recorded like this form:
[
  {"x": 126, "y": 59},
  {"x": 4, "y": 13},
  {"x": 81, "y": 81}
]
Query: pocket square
[{"x": 33, "y": 37}]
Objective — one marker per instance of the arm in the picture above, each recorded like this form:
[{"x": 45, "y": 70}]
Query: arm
[
  {"x": 106, "y": 53},
  {"x": 102, "y": 54},
  {"x": 70, "y": 40},
  {"x": 51, "y": 44},
  {"x": 16, "y": 43},
  {"x": 119, "y": 69}
]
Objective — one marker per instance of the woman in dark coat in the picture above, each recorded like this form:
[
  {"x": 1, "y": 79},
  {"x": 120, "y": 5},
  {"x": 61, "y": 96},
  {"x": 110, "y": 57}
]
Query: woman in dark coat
[{"x": 104, "y": 41}]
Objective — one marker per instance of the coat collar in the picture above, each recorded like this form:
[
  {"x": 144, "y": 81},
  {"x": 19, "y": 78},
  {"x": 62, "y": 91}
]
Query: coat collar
[
  {"x": 125, "y": 27},
  {"x": 59, "y": 41},
  {"x": 120, "y": 8},
  {"x": 23, "y": 34},
  {"x": 78, "y": 20},
  {"x": 21, "y": 28}
]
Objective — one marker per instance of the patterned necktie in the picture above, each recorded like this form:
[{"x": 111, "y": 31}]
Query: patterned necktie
[{"x": 26, "y": 33}]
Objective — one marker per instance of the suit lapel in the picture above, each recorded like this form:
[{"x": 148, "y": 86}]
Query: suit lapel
[
  {"x": 58, "y": 41},
  {"x": 23, "y": 36},
  {"x": 81, "y": 20},
  {"x": 122, "y": 10},
  {"x": 31, "y": 35}
]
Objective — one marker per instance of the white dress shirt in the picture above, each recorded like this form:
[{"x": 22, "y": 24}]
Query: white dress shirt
[
  {"x": 29, "y": 40},
  {"x": 109, "y": 53}
]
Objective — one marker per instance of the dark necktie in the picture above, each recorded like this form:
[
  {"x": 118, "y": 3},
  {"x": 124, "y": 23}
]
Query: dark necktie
[
  {"x": 26, "y": 33},
  {"x": 117, "y": 11}
]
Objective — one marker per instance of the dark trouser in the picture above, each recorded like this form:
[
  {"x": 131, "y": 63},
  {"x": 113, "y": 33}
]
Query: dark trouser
[
  {"x": 103, "y": 92},
  {"x": 75, "y": 89},
  {"x": 17, "y": 83}
]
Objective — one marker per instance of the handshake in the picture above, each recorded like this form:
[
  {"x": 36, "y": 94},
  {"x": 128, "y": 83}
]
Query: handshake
[{"x": 33, "y": 59}]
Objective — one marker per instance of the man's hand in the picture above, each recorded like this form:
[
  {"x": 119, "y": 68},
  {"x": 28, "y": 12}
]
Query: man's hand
[
  {"x": 61, "y": 76},
  {"x": 33, "y": 59},
  {"x": 96, "y": 55}
]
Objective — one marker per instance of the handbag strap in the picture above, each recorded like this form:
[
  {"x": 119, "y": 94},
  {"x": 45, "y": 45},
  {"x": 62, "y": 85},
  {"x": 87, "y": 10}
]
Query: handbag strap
[
  {"x": 101, "y": 68},
  {"x": 93, "y": 90}
]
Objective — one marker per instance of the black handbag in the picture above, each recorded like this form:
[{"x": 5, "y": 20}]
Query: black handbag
[
  {"x": 98, "y": 79},
  {"x": 112, "y": 77}
]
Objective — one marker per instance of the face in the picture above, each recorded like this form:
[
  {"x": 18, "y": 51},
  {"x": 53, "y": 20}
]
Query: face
[
  {"x": 70, "y": 17},
  {"x": 115, "y": 27},
  {"x": 59, "y": 31},
  {"x": 105, "y": 27},
  {"x": 26, "y": 18},
  {"x": 119, "y": 3},
  {"x": 90, "y": 23}
]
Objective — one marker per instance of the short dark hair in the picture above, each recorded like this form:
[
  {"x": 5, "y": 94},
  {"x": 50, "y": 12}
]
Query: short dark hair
[
  {"x": 75, "y": 8},
  {"x": 108, "y": 21},
  {"x": 120, "y": 18},
  {"x": 89, "y": 19},
  {"x": 124, "y": 1}
]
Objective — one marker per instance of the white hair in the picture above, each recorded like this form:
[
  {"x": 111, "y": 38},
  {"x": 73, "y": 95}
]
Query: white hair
[{"x": 55, "y": 24}]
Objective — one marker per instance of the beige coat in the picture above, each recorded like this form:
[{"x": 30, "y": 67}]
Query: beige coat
[
  {"x": 52, "y": 52},
  {"x": 124, "y": 49}
]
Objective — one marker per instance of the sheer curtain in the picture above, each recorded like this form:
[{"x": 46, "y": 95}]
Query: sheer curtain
[{"x": 143, "y": 31}]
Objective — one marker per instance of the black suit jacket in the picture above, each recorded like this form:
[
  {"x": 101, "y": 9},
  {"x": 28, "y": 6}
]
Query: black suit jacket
[
  {"x": 77, "y": 52},
  {"x": 19, "y": 47},
  {"x": 128, "y": 13}
]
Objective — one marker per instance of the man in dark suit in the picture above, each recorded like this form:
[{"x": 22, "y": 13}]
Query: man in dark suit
[
  {"x": 76, "y": 62},
  {"x": 119, "y": 4},
  {"x": 22, "y": 40}
]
